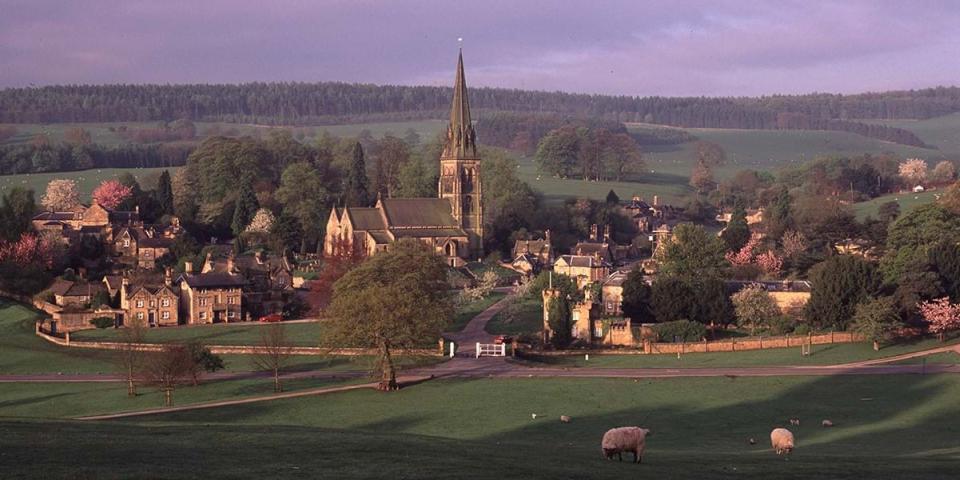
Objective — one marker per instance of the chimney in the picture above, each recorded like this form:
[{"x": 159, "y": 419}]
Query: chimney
[
  {"x": 656, "y": 200},
  {"x": 168, "y": 277},
  {"x": 594, "y": 234},
  {"x": 606, "y": 233},
  {"x": 546, "y": 236},
  {"x": 188, "y": 267},
  {"x": 230, "y": 264},
  {"x": 124, "y": 286},
  {"x": 259, "y": 257}
]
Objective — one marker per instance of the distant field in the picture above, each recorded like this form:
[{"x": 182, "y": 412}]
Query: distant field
[
  {"x": 907, "y": 200},
  {"x": 87, "y": 180},
  {"x": 943, "y": 132}
]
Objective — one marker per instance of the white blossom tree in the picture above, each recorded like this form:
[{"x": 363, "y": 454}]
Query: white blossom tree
[
  {"x": 61, "y": 195},
  {"x": 913, "y": 171},
  {"x": 262, "y": 221}
]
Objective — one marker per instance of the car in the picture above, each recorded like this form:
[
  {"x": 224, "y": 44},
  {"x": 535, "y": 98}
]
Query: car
[
  {"x": 273, "y": 317},
  {"x": 501, "y": 339}
]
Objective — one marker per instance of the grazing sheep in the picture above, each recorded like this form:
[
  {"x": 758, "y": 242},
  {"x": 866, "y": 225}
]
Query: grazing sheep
[
  {"x": 752, "y": 441},
  {"x": 782, "y": 441},
  {"x": 826, "y": 423},
  {"x": 625, "y": 439},
  {"x": 564, "y": 419},
  {"x": 795, "y": 421},
  {"x": 533, "y": 416}
]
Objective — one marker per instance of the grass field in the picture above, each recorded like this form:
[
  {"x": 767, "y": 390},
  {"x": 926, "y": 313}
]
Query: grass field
[
  {"x": 941, "y": 132},
  {"x": 701, "y": 427},
  {"x": 465, "y": 313},
  {"x": 907, "y": 201},
  {"x": 830, "y": 354},
  {"x": 300, "y": 334},
  {"x": 86, "y": 180},
  {"x": 527, "y": 318}
]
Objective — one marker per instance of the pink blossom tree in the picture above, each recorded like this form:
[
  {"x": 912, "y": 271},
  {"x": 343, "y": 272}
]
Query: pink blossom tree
[
  {"x": 745, "y": 255},
  {"x": 942, "y": 315},
  {"x": 769, "y": 262},
  {"x": 31, "y": 248},
  {"x": 111, "y": 193}
]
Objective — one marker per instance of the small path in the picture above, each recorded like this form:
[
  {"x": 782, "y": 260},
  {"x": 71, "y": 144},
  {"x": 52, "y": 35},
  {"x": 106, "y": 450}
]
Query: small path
[
  {"x": 922, "y": 353},
  {"x": 264, "y": 398},
  {"x": 475, "y": 331}
]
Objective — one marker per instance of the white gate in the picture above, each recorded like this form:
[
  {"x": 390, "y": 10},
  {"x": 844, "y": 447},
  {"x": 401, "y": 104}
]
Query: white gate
[{"x": 491, "y": 349}]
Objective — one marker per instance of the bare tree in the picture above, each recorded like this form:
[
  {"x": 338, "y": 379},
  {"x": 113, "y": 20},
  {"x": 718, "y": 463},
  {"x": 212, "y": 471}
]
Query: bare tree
[
  {"x": 168, "y": 368},
  {"x": 273, "y": 352},
  {"x": 131, "y": 355}
]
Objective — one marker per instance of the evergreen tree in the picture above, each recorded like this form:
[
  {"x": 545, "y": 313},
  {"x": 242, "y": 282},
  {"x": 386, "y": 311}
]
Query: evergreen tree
[
  {"x": 164, "y": 193},
  {"x": 356, "y": 192},
  {"x": 244, "y": 210},
  {"x": 636, "y": 297},
  {"x": 415, "y": 181},
  {"x": 839, "y": 283},
  {"x": 558, "y": 317},
  {"x": 612, "y": 198},
  {"x": 737, "y": 232},
  {"x": 671, "y": 299}
]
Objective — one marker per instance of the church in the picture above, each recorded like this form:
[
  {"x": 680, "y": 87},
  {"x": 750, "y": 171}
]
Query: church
[{"x": 451, "y": 223}]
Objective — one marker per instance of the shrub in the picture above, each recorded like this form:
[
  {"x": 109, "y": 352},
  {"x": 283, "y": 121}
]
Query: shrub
[
  {"x": 780, "y": 325},
  {"x": 684, "y": 330},
  {"x": 102, "y": 322},
  {"x": 802, "y": 329}
]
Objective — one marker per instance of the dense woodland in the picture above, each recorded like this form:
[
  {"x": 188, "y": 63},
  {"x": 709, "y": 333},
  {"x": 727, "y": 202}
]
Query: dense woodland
[{"x": 330, "y": 102}]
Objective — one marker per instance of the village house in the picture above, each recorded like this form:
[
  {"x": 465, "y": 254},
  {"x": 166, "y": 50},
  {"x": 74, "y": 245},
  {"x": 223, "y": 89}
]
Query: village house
[
  {"x": 585, "y": 269},
  {"x": 451, "y": 224},
  {"x": 648, "y": 216},
  {"x": 150, "y": 304},
  {"x": 211, "y": 297},
  {"x": 588, "y": 325},
  {"x": 532, "y": 256},
  {"x": 269, "y": 280},
  {"x": 612, "y": 293},
  {"x": 93, "y": 221},
  {"x": 78, "y": 294}
]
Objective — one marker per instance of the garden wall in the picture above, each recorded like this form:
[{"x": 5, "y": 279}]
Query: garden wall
[{"x": 732, "y": 345}]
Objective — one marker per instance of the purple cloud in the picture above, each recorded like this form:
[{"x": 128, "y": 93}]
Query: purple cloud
[{"x": 727, "y": 47}]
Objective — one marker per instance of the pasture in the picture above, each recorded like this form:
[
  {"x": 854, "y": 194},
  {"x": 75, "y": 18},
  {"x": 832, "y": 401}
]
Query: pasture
[
  {"x": 907, "y": 201},
  {"x": 483, "y": 427},
  {"x": 87, "y": 180}
]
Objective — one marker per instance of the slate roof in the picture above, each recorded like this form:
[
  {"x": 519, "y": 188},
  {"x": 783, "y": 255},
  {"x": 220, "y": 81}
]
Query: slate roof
[
  {"x": 66, "y": 288},
  {"x": 57, "y": 216},
  {"x": 428, "y": 232},
  {"x": 214, "y": 280},
  {"x": 380, "y": 236},
  {"x": 148, "y": 242},
  {"x": 418, "y": 212},
  {"x": 366, "y": 218},
  {"x": 582, "y": 261}
]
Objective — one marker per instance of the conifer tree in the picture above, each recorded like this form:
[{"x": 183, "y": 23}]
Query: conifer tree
[{"x": 356, "y": 193}]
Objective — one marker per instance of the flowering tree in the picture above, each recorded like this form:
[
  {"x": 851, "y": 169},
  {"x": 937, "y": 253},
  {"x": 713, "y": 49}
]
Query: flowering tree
[
  {"x": 794, "y": 243},
  {"x": 755, "y": 308},
  {"x": 262, "y": 222},
  {"x": 62, "y": 194},
  {"x": 111, "y": 193},
  {"x": 913, "y": 171},
  {"x": 944, "y": 172},
  {"x": 745, "y": 255},
  {"x": 769, "y": 262},
  {"x": 942, "y": 315},
  {"x": 32, "y": 249}
]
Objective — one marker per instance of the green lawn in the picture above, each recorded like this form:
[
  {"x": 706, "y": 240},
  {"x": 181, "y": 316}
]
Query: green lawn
[
  {"x": 87, "y": 180},
  {"x": 701, "y": 427},
  {"x": 300, "y": 334},
  {"x": 465, "y": 313},
  {"x": 525, "y": 317},
  {"x": 907, "y": 201},
  {"x": 822, "y": 355}
]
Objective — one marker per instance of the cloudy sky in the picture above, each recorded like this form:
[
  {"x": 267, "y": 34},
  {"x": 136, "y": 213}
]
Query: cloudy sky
[{"x": 717, "y": 47}]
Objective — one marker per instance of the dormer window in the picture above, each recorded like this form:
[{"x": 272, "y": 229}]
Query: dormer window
[{"x": 126, "y": 243}]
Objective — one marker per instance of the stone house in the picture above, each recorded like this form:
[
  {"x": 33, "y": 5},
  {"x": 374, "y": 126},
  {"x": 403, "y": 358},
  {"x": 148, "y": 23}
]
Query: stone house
[
  {"x": 532, "y": 256},
  {"x": 68, "y": 293},
  {"x": 585, "y": 269},
  {"x": 93, "y": 221},
  {"x": 150, "y": 305},
  {"x": 211, "y": 297},
  {"x": 588, "y": 326},
  {"x": 612, "y": 293}
]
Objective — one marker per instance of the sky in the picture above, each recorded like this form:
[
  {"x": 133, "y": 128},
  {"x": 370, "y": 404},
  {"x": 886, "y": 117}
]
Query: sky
[{"x": 642, "y": 48}]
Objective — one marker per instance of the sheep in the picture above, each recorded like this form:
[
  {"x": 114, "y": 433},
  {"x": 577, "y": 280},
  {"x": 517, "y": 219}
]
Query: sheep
[
  {"x": 826, "y": 423},
  {"x": 782, "y": 441},
  {"x": 751, "y": 441},
  {"x": 624, "y": 439},
  {"x": 795, "y": 421},
  {"x": 564, "y": 419}
]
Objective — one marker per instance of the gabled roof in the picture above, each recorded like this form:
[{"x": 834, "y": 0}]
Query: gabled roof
[
  {"x": 60, "y": 286},
  {"x": 366, "y": 218},
  {"x": 156, "y": 242},
  {"x": 530, "y": 246},
  {"x": 582, "y": 261},
  {"x": 57, "y": 216},
  {"x": 150, "y": 289},
  {"x": 418, "y": 213},
  {"x": 214, "y": 280}
]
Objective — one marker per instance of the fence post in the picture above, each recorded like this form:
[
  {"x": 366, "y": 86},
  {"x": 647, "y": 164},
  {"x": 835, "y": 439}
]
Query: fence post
[
  {"x": 66, "y": 337},
  {"x": 478, "y": 349},
  {"x": 831, "y": 336},
  {"x": 503, "y": 349},
  {"x": 761, "y": 342},
  {"x": 706, "y": 345},
  {"x": 733, "y": 345},
  {"x": 453, "y": 349}
]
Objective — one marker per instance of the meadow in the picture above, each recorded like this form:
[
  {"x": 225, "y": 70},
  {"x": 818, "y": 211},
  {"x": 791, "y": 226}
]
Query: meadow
[
  {"x": 87, "y": 180},
  {"x": 907, "y": 201},
  {"x": 484, "y": 427}
]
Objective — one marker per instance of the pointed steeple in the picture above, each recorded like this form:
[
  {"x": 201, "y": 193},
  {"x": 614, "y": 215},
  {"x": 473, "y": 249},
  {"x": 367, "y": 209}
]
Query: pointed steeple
[{"x": 461, "y": 138}]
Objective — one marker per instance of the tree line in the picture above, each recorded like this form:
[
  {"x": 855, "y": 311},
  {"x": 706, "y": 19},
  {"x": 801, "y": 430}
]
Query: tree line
[{"x": 333, "y": 102}]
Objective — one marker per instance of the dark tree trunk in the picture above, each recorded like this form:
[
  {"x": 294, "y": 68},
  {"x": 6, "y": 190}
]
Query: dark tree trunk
[
  {"x": 388, "y": 380},
  {"x": 277, "y": 386}
]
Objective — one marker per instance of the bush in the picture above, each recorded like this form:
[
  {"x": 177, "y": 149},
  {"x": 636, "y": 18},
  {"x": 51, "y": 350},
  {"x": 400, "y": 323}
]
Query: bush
[
  {"x": 102, "y": 322},
  {"x": 780, "y": 325},
  {"x": 802, "y": 329},
  {"x": 683, "y": 330}
]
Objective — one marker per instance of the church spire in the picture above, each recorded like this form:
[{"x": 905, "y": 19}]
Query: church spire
[{"x": 461, "y": 138}]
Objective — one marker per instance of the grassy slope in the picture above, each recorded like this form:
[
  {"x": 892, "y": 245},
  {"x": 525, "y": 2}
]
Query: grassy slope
[
  {"x": 701, "y": 429},
  {"x": 822, "y": 355},
  {"x": 528, "y": 319},
  {"x": 87, "y": 180},
  {"x": 465, "y": 313},
  {"x": 938, "y": 131},
  {"x": 907, "y": 201}
]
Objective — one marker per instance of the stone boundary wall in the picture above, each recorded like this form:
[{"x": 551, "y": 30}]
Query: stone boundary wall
[
  {"x": 732, "y": 345},
  {"x": 232, "y": 349}
]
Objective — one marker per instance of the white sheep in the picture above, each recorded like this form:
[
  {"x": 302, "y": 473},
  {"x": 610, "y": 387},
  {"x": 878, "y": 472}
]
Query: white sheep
[
  {"x": 782, "y": 441},
  {"x": 624, "y": 439},
  {"x": 565, "y": 418},
  {"x": 795, "y": 421},
  {"x": 826, "y": 423}
]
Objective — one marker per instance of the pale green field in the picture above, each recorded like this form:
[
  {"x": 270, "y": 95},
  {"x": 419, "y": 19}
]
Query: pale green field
[
  {"x": 943, "y": 132},
  {"x": 907, "y": 200},
  {"x": 87, "y": 180}
]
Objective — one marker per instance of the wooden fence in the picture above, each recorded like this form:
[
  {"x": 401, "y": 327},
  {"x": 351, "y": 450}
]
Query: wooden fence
[{"x": 233, "y": 349}]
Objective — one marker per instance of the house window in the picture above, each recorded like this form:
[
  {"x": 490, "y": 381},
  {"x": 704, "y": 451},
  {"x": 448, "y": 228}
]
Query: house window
[
  {"x": 153, "y": 303},
  {"x": 203, "y": 315},
  {"x": 139, "y": 315},
  {"x": 146, "y": 254},
  {"x": 165, "y": 302},
  {"x": 203, "y": 301},
  {"x": 230, "y": 314},
  {"x": 230, "y": 300},
  {"x": 598, "y": 330},
  {"x": 165, "y": 315},
  {"x": 126, "y": 243},
  {"x": 139, "y": 303},
  {"x": 576, "y": 316}
]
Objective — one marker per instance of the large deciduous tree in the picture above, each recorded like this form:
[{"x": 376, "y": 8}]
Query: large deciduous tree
[
  {"x": 877, "y": 320},
  {"x": 692, "y": 252},
  {"x": 636, "y": 297},
  {"x": 913, "y": 171},
  {"x": 395, "y": 300},
  {"x": 305, "y": 198},
  {"x": 755, "y": 308}
]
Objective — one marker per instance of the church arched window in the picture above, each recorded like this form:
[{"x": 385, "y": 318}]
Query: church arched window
[{"x": 467, "y": 206}]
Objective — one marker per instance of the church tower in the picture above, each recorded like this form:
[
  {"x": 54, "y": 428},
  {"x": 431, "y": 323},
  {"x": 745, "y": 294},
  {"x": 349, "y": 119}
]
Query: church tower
[{"x": 460, "y": 168}]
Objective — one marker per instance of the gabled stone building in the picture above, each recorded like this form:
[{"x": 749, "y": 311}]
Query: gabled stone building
[
  {"x": 211, "y": 297},
  {"x": 150, "y": 304},
  {"x": 451, "y": 224}
]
